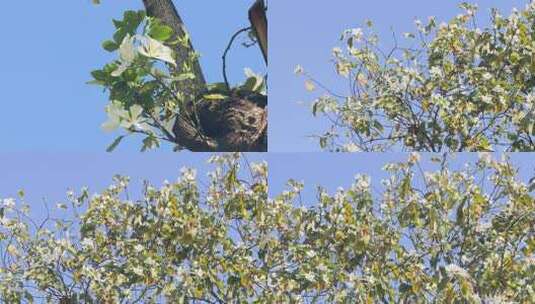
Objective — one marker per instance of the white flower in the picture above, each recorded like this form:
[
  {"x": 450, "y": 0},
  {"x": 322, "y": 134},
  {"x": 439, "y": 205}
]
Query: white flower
[
  {"x": 138, "y": 270},
  {"x": 116, "y": 113},
  {"x": 155, "y": 49},
  {"x": 498, "y": 90},
  {"x": 435, "y": 72},
  {"x": 148, "y": 47},
  {"x": 351, "y": 147},
  {"x": 127, "y": 55},
  {"x": 362, "y": 183},
  {"x": 9, "y": 203},
  {"x": 139, "y": 248},
  {"x": 310, "y": 276},
  {"x": 496, "y": 300},
  {"x": 487, "y": 76},
  {"x": 455, "y": 270},
  {"x": 259, "y": 169},
  {"x": 134, "y": 119},
  {"x": 188, "y": 174},
  {"x": 482, "y": 227},
  {"x": 355, "y": 33},
  {"x": 486, "y": 99},
  {"x": 485, "y": 157},
  {"x": 87, "y": 243}
]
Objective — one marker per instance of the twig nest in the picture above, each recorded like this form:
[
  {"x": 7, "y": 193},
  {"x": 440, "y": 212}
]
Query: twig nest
[{"x": 235, "y": 123}]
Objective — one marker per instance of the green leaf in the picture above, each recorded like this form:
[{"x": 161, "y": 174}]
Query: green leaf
[
  {"x": 249, "y": 84},
  {"x": 185, "y": 76},
  {"x": 314, "y": 108},
  {"x": 117, "y": 23},
  {"x": 110, "y": 45},
  {"x": 217, "y": 87},
  {"x": 254, "y": 82},
  {"x": 160, "y": 32},
  {"x": 119, "y": 35},
  {"x": 405, "y": 187},
  {"x": 323, "y": 142},
  {"x": 99, "y": 75},
  {"x": 129, "y": 24},
  {"x": 214, "y": 96},
  {"x": 150, "y": 142},
  {"x": 115, "y": 143}
]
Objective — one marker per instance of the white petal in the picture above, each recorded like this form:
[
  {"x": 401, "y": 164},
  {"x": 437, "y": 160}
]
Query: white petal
[
  {"x": 135, "y": 111},
  {"x": 155, "y": 49},
  {"x": 127, "y": 52},
  {"x": 110, "y": 125}
]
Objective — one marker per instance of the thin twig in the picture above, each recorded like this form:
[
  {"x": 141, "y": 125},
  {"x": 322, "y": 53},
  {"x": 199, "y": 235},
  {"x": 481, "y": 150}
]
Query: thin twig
[{"x": 226, "y": 51}]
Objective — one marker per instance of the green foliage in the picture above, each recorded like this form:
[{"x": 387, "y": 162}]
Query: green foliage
[
  {"x": 160, "y": 31},
  {"x": 140, "y": 82},
  {"x": 442, "y": 236},
  {"x": 456, "y": 87},
  {"x": 147, "y": 79}
]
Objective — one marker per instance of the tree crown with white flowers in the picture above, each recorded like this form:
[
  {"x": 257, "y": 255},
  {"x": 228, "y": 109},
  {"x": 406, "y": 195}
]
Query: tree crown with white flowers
[
  {"x": 452, "y": 87},
  {"x": 432, "y": 235}
]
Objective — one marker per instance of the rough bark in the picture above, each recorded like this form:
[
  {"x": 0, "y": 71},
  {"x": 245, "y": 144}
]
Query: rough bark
[
  {"x": 258, "y": 19},
  {"x": 167, "y": 13},
  {"x": 238, "y": 123}
]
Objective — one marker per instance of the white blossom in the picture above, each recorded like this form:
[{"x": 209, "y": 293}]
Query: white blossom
[{"x": 455, "y": 270}]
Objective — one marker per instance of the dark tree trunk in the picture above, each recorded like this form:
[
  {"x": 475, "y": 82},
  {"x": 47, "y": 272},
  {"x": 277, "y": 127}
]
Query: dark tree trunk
[
  {"x": 258, "y": 19},
  {"x": 238, "y": 123},
  {"x": 166, "y": 12}
]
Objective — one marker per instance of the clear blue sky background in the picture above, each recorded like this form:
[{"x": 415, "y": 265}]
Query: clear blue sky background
[
  {"x": 304, "y": 32},
  {"x": 50, "y": 47}
]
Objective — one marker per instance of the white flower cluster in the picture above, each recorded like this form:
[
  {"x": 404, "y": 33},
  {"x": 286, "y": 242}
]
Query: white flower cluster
[{"x": 455, "y": 270}]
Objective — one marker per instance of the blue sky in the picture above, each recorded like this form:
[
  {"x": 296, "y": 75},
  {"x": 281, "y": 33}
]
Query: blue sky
[
  {"x": 304, "y": 32},
  {"x": 50, "y": 47}
]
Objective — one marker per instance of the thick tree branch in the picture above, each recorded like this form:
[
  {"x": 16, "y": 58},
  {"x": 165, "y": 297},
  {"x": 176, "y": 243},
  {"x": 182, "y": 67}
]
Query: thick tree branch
[
  {"x": 167, "y": 13},
  {"x": 258, "y": 19}
]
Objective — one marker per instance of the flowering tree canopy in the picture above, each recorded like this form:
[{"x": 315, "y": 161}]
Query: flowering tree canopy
[
  {"x": 455, "y": 87},
  {"x": 439, "y": 236}
]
